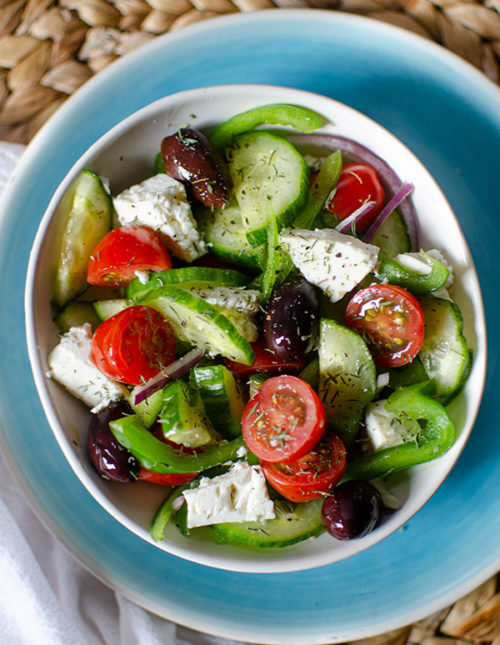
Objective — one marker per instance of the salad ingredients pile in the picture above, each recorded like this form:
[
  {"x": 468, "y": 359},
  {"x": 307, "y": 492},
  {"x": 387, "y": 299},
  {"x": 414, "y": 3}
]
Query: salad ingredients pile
[{"x": 256, "y": 328}]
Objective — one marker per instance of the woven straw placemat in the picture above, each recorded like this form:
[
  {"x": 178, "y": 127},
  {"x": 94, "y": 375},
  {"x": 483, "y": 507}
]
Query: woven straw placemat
[{"x": 48, "y": 49}]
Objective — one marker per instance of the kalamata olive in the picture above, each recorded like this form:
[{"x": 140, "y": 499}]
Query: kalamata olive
[
  {"x": 291, "y": 317},
  {"x": 189, "y": 157},
  {"x": 352, "y": 510},
  {"x": 110, "y": 459}
]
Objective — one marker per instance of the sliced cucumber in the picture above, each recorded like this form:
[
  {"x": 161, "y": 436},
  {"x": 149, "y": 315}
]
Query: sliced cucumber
[
  {"x": 271, "y": 181},
  {"x": 444, "y": 352},
  {"x": 392, "y": 237},
  {"x": 293, "y": 523},
  {"x": 199, "y": 323},
  {"x": 223, "y": 230},
  {"x": 76, "y": 314},
  {"x": 183, "y": 418},
  {"x": 347, "y": 377},
  {"x": 88, "y": 210},
  {"x": 222, "y": 397},
  {"x": 107, "y": 308},
  {"x": 200, "y": 277}
]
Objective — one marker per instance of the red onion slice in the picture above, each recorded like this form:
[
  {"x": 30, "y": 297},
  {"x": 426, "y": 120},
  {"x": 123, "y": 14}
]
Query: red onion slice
[
  {"x": 392, "y": 204},
  {"x": 355, "y": 151},
  {"x": 350, "y": 222},
  {"x": 175, "y": 370}
]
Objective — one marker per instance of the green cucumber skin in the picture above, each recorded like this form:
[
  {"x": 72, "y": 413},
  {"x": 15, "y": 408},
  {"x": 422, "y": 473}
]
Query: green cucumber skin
[
  {"x": 107, "y": 308},
  {"x": 347, "y": 377},
  {"x": 294, "y": 523},
  {"x": 89, "y": 212},
  {"x": 392, "y": 237},
  {"x": 276, "y": 186},
  {"x": 203, "y": 276},
  {"x": 444, "y": 353},
  {"x": 178, "y": 306},
  {"x": 224, "y": 408}
]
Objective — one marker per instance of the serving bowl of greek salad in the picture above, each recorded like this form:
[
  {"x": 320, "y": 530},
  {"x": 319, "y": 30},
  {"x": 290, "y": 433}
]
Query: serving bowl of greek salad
[{"x": 255, "y": 328}]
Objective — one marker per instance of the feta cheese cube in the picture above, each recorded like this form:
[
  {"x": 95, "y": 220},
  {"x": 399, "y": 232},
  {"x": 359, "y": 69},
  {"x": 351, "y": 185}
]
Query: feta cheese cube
[
  {"x": 334, "y": 262},
  {"x": 240, "y": 495},
  {"x": 384, "y": 429},
  {"x": 160, "y": 203},
  {"x": 71, "y": 366}
]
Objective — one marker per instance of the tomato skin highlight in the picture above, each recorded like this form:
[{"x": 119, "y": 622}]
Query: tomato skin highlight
[
  {"x": 165, "y": 479},
  {"x": 284, "y": 420},
  {"x": 312, "y": 476},
  {"x": 358, "y": 183},
  {"x": 133, "y": 345},
  {"x": 265, "y": 361},
  {"x": 122, "y": 252},
  {"x": 391, "y": 320}
]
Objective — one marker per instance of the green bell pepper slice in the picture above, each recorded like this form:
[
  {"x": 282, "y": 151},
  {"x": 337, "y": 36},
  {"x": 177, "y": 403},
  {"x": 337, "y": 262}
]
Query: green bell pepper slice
[
  {"x": 159, "y": 457},
  {"x": 435, "y": 438},
  {"x": 300, "y": 118},
  {"x": 395, "y": 273}
]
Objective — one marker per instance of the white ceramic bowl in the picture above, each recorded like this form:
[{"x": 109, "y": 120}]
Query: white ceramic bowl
[{"x": 124, "y": 155}]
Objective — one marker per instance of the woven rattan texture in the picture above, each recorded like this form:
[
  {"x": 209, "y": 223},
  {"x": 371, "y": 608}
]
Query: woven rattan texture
[{"x": 48, "y": 49}]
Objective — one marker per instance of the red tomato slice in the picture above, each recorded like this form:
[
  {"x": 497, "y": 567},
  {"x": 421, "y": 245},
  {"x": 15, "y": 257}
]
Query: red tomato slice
[
  {"x": 284, "y": 420},
  {"x": 313, "y": 475},
  {"x": 122, "y": 252},
  {"x": 133, "y": 345},
  {"x": 165, "y": 479},
  {"x": 391, "y": 321},
  {"x": 265, "y": 361},
  {"x": 358, "y": 184}
]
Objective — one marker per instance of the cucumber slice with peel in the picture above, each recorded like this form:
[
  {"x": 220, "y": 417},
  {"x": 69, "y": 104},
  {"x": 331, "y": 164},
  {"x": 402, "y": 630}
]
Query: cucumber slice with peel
[
  {"x": 223, "y": 230},
  {"x": 444, "y": 353},
  {"x": 199, "y": 323},
  {"x": 347, "y": 377},
  {"x": 88, "y": 210},
  {"x": 76, "y": 314},
  {"x": 199, "y": 277},
  {"x": 270, "y": 181},
  {"x": 107, "y": 308},
  {"x": 293, "y": 523}
]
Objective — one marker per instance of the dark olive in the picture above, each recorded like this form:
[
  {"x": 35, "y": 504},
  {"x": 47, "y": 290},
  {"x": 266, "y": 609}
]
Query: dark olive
[
  {"x": 189, "y": 157},
  {"x": 291, "y": 318},
  {"x": 352, "y": 510},
  {"x": 110, "y": 459}
]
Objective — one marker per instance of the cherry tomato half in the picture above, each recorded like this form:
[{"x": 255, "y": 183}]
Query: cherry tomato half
[
  {"x": 391, "y": 321},
  {"x": 133, "y": 345},
  {"x": 165, "y": 479},
  {"x": 284, "y": 420},
  {"x": 313, "y": 475},
  {"x": 358, "y": 184},
  {"x": 122, "y": 252},
  {"x": 265, "y": 361}
]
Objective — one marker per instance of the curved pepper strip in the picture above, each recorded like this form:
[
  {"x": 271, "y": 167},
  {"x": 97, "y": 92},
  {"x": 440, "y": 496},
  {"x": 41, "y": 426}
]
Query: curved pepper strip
[
  {"x": 159, "y": 457},
  {"x": 300, "y": 118},
  {"x": 164, "y": 513},
  {"x": 436, "y": 437},
  {"x": 395, "y": 273}
]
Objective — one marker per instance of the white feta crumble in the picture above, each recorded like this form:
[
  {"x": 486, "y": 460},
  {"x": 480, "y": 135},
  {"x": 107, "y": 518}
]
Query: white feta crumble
[
  {"x": 385, "y": 429},
  {"x": 71, "y": 366},
  {"x": 236, "y": 298},
  {"x": 142, "y": 276},
  {"x": 382, "y": 381},
  {"x": 160, "y": 203},
  {"x": 334, "y": 262},
  {"x": 240, "y": 495},
  {"x": 416, "y": 262}
]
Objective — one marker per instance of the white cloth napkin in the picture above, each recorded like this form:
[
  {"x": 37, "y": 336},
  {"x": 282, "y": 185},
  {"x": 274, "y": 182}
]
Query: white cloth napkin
[{"x": 46, "y": 596}]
